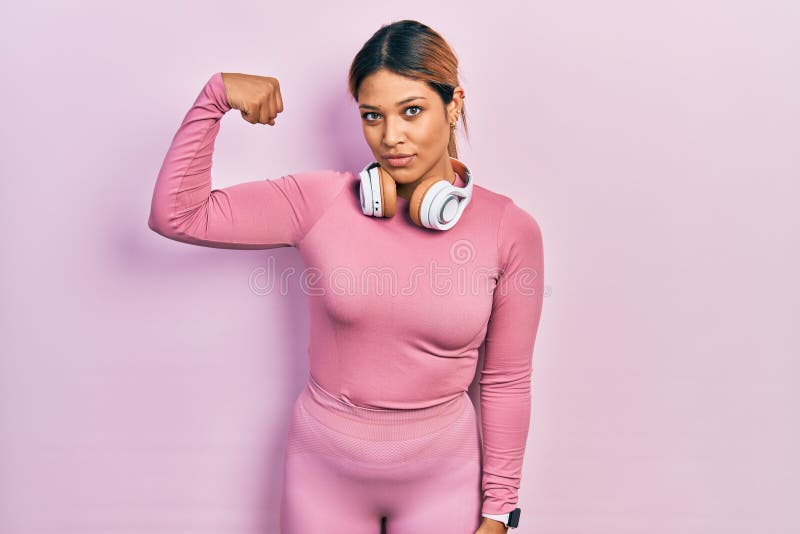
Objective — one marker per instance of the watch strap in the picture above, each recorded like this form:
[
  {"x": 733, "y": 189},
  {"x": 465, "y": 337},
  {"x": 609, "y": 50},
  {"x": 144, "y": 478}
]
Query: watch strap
[{"x": 509, "y": 519}]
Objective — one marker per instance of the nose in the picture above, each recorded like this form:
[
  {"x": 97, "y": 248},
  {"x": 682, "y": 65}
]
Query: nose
[{"x": 392, "y": 131}]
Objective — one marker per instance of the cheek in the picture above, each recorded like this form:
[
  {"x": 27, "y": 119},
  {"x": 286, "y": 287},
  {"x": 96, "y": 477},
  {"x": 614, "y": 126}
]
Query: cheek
[
  {"x": 370, "y": 135},
  {"x": 433, "y": 130},
  {"x": 423, "y": 133}
]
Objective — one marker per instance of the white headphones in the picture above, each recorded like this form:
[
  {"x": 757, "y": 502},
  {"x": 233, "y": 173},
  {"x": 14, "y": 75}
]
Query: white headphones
[{"x": 435, "y": 203}]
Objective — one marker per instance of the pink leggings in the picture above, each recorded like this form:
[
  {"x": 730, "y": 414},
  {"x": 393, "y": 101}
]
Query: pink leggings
[{"x": 347, "y": 467}]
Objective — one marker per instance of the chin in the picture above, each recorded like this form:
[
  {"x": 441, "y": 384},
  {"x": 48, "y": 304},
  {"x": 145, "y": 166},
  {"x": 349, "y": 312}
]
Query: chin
[{"x": 402, "y": 176}]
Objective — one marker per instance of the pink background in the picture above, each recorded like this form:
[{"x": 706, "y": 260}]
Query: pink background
[{"x": 145, "y": 385}]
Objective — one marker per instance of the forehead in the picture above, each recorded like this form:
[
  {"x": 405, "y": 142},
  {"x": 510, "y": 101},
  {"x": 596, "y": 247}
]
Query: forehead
[{"x": 384, "y": 88}]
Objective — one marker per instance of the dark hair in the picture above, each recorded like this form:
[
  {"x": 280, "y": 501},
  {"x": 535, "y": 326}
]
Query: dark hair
[{"x": 411, "y": 49}]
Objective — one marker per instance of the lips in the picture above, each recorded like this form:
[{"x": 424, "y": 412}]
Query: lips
[{"x": 396, "y": 160}]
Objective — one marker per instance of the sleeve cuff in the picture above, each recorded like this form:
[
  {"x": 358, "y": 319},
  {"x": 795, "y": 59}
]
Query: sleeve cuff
[{"x": 503, "y": 518}]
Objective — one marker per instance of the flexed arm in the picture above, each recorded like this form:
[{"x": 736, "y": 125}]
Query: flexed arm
[
  {"x": 505, "y": 392},
  {"x": 252, "y": 215}
]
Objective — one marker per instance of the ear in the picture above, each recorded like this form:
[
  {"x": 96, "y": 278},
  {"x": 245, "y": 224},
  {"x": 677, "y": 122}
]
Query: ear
[{"x": 455, "y": 106}]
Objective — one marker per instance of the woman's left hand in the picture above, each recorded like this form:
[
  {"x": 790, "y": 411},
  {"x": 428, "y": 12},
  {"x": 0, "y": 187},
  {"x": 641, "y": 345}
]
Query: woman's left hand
[{"x": 490, "y": 526}]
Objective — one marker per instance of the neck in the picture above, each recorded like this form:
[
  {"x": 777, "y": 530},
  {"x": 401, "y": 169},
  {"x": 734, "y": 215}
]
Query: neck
[{"x": 406, "y": 190}]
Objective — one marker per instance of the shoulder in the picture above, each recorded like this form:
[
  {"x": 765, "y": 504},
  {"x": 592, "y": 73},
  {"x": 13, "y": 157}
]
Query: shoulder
[
  {"x": 513, "y": 222},
  {"x": 320, "y": 183},
  {"x": 331, "y": 176},
  {"x": 519, "y": 224},
  {"x": 519, "y": 235}
]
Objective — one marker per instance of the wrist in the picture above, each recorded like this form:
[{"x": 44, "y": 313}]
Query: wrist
[
  {"x": 493, "y": 525},
  {"x": 508, "y": 519}
]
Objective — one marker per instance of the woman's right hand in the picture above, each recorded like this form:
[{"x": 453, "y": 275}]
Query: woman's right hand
[{"x": 257, "y": 97}]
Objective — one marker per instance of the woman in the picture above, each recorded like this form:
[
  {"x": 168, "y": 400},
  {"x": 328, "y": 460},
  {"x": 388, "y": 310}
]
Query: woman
[{"x": 385, "y": 429}]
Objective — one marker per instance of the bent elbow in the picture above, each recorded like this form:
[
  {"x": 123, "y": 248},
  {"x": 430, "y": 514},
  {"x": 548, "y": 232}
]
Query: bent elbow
[{"x": 159, "y": 224}]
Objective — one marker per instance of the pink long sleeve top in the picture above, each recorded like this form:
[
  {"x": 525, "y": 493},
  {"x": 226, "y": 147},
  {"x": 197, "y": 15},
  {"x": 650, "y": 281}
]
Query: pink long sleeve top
[{"x": 397, "y": 312}]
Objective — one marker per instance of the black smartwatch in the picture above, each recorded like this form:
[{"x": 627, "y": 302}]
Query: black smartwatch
[{"x": 510, "y": 519}]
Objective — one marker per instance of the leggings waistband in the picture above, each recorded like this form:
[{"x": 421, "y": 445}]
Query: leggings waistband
[{"x": 379, "y": 423}]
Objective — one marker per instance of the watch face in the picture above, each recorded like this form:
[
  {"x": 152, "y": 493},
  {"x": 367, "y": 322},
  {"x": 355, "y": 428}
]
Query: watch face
[{"x": 513, "y": 517}]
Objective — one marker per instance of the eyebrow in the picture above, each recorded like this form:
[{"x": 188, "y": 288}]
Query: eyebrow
[{"x": 409, "y": 99}]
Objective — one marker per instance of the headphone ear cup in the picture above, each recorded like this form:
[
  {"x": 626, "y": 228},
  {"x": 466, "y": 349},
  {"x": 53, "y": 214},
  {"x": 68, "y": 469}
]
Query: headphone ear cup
[
  {"x": 366, "y": 196},
  {"x": 415, "y": 203},
  {"x": 388, "y": 193}
]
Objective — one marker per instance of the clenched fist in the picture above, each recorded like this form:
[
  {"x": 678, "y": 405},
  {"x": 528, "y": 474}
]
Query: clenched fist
[{"x": 257, "y": 97}]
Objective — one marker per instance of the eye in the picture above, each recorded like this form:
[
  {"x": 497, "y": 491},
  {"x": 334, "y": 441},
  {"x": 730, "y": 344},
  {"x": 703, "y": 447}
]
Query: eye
[{"x": 366, "y": 115}]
